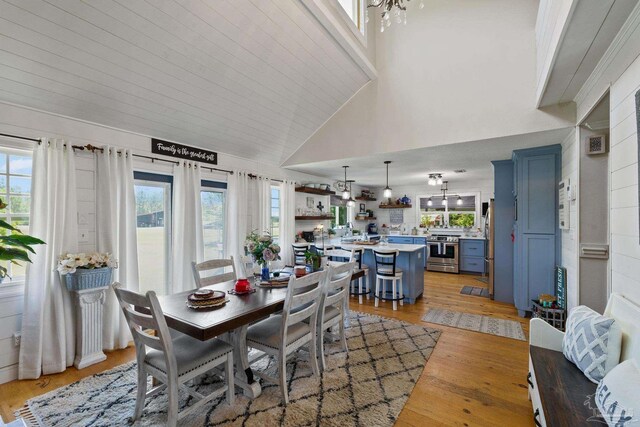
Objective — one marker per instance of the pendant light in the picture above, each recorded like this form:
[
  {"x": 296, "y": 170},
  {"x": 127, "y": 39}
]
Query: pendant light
[
  {"x": 346, "y": 194},
  {"x": 444, "y": 192},
  {"x": 351, "y": 203},
  {"x": 429, "y": 202},
  {"x": 459, "y": 202},
  {"x": 387, "y": 190}
]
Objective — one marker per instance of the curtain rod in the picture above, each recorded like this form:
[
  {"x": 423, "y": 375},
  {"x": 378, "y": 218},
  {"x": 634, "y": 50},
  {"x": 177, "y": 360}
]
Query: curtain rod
[
  {"x": 252, "y": 176},
  {"x": 20, "y": 137}
]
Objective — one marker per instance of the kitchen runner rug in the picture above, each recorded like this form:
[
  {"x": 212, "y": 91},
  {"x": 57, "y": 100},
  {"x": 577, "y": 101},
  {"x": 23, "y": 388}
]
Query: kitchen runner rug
[
  {"x": 475, "y": 291},
  {"x": 368, "y": 386},
  {"x": 475, "y": 322}
]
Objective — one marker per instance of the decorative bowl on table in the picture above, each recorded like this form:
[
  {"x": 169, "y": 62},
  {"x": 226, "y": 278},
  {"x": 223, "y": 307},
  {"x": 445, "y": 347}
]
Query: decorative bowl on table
[{"x": 206, "y": 298}]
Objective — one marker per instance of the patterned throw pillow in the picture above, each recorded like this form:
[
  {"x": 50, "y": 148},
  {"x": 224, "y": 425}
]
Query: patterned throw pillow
[
  {"x": 617, "y": 395},
  {"x": 592, "y": 342}
]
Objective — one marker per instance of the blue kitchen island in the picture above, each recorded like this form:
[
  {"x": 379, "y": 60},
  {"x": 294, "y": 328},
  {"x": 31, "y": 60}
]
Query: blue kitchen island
[{"x": 410, "y": 261}]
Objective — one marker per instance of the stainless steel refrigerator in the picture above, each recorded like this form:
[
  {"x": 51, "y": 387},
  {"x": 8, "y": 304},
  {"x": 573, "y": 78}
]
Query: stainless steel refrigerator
[{"x": 489, "y": 234}]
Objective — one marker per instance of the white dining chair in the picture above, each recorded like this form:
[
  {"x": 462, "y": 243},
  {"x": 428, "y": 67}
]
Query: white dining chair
[
  {"x": 172, "y": 362},
  {"x": 214, "y": 264},
  {"x": 354, "y": 255},
  {"x": 333, "y": 308},
  {"x": 283, "y": 334},
  {"x": 387, "y": 271}
]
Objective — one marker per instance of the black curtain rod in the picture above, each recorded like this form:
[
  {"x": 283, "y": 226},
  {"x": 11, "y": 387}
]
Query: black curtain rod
[
  {"x": 252, "y": 176},
  {"x": 20, "y": 137}
]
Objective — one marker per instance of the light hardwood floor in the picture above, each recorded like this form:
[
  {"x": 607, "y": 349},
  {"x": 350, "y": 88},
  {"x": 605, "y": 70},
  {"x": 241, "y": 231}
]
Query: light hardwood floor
[{"x": 471, "y": 379}]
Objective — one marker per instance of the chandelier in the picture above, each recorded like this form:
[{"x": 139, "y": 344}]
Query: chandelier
[{"x": 390, "y": 7}]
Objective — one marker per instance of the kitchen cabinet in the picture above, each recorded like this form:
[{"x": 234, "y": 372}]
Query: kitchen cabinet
[
  {"x": 536, "y": 249},
  {"x": 472, "y": 254},
  {"x": 504, "y": 214},
  {"x": 411, "y": 240}
]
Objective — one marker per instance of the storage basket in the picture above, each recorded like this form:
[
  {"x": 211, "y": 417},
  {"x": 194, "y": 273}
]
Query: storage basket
[
  {"x": 556, "y": 317},
  {"x": 85, "y": 278}
]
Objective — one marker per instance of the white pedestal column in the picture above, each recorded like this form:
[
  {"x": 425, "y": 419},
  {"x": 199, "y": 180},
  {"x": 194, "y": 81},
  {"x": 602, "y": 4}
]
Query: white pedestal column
[{"x": 89, "y": 304}]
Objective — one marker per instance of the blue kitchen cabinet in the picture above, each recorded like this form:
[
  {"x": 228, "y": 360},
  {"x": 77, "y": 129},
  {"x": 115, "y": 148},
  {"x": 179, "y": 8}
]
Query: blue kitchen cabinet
[
  {"x": 472, "y": 253},
  {"x": 422, "y": 241},
  {"x": 536, "y": 229},
  {"x": 405, "y": 240},
  {"x": 504, "y": 214}
]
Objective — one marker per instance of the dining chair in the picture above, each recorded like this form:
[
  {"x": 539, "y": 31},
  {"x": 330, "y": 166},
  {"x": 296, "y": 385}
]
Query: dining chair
[
  {"x": 283, "y": 334},
  {"x": 333, "y": 308},
  {"x": 172, "y": 362},
  {"x": 387, "y": 270},
  {"x": 214, "y": 264},
  {"x": 299, "y": 249},
  {"x": 322, "y": 249},
  {"x": 354, "y": 255}
]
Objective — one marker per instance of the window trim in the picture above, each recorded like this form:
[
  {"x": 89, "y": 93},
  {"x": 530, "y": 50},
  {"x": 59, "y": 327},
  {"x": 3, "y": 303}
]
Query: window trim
[
  {"x": 360, "y": 35},
  {"x": 279, "y": 187}
]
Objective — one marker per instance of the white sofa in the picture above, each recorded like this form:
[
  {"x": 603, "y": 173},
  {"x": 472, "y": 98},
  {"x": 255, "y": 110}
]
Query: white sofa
[{"x": 560, "y": 394}]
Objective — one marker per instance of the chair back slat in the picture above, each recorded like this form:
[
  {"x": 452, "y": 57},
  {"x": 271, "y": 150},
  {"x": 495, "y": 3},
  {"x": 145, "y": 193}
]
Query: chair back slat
[
  {"x": 147, "y": 339},
  {"x": 213, "y": 264},
  {"x": 342, "y": 255},
  {"x": 358, "y": 255},
  {"x": 386, "y": 261},
  {"x": 336, "y": 289},
  {"x": 322, "y": 249},
  {"x": 299, "y": 249},
  {"x": 303, "y": 296}
]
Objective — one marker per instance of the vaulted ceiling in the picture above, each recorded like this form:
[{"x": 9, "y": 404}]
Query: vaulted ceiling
[{"x": 252, "y": 78}]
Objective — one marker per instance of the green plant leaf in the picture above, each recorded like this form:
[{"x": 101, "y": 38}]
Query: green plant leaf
[
  {"x": 6, "y": 225},
  {"x": 21, "y": 240},
  {"x": 10, "y": 254}
]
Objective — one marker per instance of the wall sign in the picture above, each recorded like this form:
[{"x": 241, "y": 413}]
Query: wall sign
[
  {"x": 173, "y": 149},
  {"x": 561, "y": 286}
]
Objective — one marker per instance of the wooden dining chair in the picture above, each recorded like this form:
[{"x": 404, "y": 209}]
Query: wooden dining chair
[
  {"x": 299, "y": 249},
  {"x": 214, "y": 264},
  {"x": 354, "y": 255},
  {"x": 171, "y": 362},
  {"x": 333, "y": 305},
  {"x": 283, "y": 334}
]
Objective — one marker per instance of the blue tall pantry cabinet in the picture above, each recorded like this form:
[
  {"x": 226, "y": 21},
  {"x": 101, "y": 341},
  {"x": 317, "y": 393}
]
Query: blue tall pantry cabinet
[{"x": 536, "y": 174}]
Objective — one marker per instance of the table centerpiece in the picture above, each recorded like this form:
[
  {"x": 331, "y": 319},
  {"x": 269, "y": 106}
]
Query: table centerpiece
[{"x": 264, "y": 250}]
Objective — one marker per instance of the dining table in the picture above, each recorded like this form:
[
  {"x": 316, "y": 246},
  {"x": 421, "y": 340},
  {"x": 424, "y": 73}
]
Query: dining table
[{"x": 233, "y": 318}]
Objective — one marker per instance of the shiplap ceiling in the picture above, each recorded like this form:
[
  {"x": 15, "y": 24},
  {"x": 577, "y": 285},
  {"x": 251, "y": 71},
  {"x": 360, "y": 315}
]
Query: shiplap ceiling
[{"x": 252, "y": 78}]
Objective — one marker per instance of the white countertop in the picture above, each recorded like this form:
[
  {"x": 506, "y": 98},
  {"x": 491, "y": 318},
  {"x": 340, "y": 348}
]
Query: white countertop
[{"x": 399, "y": 246}]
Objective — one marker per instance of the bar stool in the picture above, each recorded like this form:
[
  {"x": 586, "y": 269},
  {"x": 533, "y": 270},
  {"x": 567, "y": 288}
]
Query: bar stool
[
  {"x": 340, "y": 256},
  {"x": 387, "y": 270},
  {"x": 299, "y": 249},
  {"x": 322, "y": 249},
  {"x": 358, "y": 255}
]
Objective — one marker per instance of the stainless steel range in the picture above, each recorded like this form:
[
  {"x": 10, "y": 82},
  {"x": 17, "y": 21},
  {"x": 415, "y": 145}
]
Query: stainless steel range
[{"x": 442, "y": 253}]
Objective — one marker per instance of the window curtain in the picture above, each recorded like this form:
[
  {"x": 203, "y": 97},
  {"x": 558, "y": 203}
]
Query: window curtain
[
  {"x": 237, "y": 226},
  {"x": 116, "y": 234},
  {"x": 187, "y": 235},
  {"x": 264, "y": 205},
  {"x": 48, "y": 339},
  {"x": 287, "y": 220}
]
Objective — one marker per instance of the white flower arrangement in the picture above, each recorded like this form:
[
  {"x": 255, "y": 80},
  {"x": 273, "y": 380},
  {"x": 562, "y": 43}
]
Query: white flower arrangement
[{"x": 69, "y": 263}]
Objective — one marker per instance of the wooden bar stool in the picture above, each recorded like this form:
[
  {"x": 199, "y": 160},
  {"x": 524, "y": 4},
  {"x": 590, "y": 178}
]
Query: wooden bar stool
[
  {"x": 340, "y": 256},
  {"x": 387, "y": 270},
  {"x": 358, "y": 255},
  {"x": 299, "y": 249}
]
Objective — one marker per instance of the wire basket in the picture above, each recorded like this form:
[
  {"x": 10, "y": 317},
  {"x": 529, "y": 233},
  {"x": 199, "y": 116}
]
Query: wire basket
[
  {"x": 85, "y": 278},
  {"x": 556, "y": 317}
]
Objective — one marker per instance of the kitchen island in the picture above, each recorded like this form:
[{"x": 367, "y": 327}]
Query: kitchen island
[{"x": 410, "y": 261}]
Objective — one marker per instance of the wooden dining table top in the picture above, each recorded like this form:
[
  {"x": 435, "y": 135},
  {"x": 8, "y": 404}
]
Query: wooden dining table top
[{"x": 240, "y": 310}]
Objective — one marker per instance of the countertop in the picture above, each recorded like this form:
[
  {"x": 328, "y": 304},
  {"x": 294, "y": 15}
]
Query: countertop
[
  {"x": 399, "y": 246},
  {"x": 424, "y": 236}
]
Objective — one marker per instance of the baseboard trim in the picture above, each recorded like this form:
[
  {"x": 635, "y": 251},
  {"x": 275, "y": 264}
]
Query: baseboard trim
[{"x": 8, "y": 373}]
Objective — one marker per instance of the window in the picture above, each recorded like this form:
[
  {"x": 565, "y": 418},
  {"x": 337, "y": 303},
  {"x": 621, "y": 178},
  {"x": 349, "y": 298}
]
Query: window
[
  {"x": 212, "y": 197},
  {"x": 15, "y": 191},
  {"x": 340, "y": 215},
  {"x": 452, "y": 214},
  {"x": 275, "y": 213},
  {"x": 355, "y": 11},
  {"x": 153, "y": 211}
]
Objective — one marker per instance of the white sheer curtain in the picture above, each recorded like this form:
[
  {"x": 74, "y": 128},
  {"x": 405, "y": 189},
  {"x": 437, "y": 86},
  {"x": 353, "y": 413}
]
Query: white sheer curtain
[
  {"x": 264, "y": 205},
  {"x": 287, "y": 220},
  {"x": 48, "y": 339},
  {"x": 116, "y": 234},
  {"x": 236, "y": 222},
  {"x": 187, "y": 235}
]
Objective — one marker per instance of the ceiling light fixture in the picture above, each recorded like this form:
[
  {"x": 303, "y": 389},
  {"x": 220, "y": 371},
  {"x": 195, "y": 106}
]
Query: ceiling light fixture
[
  {"x": 389, "y": 7},
  {"x": 444, "y": 190},
  {"x": 351, "y": 203},
  {"x": 439, "y": 180},
  {"x": 346, "y": 193},
  {"x": 429, "y": 202},
  {"x": 459, "y": 202},
  {"x": 435, "y": 179},
  {"x": 387, "y": 190}
]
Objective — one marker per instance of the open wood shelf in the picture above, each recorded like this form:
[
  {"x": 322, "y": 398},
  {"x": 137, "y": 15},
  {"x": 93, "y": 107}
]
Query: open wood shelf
[
  {"x": 315, "y": 191},
  {"x": 365, "y": 218},
  {"x": 313, "y": 218},
  {"x": 393, "y": 206},
  {"x": 366, "y": 199}
]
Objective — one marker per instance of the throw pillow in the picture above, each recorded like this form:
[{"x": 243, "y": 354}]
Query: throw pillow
[
  {"x": 592, "y": 342},
  {"x": 617, "y": 395}
]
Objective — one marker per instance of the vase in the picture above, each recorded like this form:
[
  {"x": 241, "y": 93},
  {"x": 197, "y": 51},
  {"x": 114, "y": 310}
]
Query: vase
[
  {"x": 265, "y": 273},
  {"x": 85, "y": 278}
]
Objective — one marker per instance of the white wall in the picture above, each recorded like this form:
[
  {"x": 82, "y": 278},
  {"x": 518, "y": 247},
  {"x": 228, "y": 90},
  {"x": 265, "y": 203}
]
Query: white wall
[
  {"x": 31, "y": 123},
  {"x": 570, "y": 170},
  {"x": 623, "y": 166},
  {"x": 457, "y": 72}
]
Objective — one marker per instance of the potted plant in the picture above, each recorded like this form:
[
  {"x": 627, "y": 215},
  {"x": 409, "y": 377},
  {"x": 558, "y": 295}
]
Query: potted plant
[
  {"x": 263, "y": 250},
  {"x": 15, "y": 246},
  {"x": 313, "y": 260},
  {"x": 86, "y": 270}
]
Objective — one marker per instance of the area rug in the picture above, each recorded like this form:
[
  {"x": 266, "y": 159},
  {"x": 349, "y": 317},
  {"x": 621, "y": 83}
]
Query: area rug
[
  {"x": 475, "y": 291},
  {"x": 475, "y": 322},
  {"x": 368, "y": 386}
]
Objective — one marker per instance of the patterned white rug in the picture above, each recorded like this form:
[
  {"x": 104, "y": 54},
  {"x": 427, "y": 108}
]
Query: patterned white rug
[
  {"x": 368, "y": 386},
  {"x": 476, "y": 322}
]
